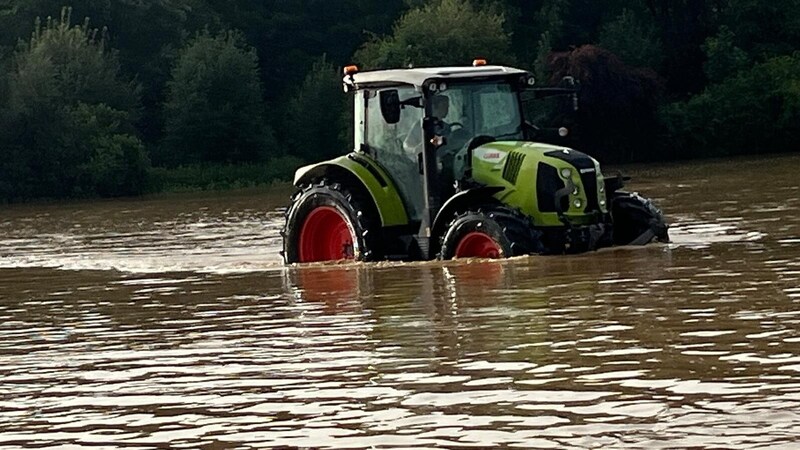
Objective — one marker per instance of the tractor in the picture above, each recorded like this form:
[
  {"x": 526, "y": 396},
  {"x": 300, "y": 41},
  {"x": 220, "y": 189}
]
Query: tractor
[{"x": 445, "y": 165}]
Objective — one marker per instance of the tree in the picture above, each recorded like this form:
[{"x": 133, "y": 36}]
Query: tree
[
  {"x": 68, "y": 107},
  {"x": 757, "y": 110},
  {"x": 317, "y": 115},
  {"x": 634, "y": 39},
  {"x": 762, "y": 29},
  {"x": 617, "y": 116},
  {"x": 145, "y": 33},
  {"x": 214, "y": 110},
  {"x": 724, "y": 58},
  {"x": 684, "y": 26},
  {"x": 444, "y": 32}
]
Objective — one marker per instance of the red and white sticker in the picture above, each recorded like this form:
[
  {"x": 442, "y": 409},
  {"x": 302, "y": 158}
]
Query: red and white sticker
[{"x": 490, "y": 155}]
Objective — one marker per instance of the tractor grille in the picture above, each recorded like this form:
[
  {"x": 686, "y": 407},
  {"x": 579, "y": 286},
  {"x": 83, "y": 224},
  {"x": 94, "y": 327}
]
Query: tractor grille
[
  {"x": 588, "y": 172},
  {"x": 574, "y": 157},
  {"x": 589, "y": 181},
  {"x": 547, "y": 184},
  {"x": 512, "y": 167}
]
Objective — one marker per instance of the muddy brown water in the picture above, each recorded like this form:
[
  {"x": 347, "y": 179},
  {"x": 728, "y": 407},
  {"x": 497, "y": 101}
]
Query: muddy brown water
[{"x": 171, "y": 323}]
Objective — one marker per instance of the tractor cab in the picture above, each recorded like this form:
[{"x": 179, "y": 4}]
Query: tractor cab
[
  {"x": 420, "y": 124},
  {"x": 445, "y": 164}
]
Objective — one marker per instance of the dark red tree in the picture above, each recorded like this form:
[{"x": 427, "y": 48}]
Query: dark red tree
[{"x": 617, "y": 116}]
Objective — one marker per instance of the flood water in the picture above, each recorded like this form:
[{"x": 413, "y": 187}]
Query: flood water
[{"x": 171, "y": 323}]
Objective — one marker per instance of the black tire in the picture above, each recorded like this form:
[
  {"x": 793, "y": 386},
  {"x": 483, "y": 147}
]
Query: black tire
[
  {"x": 637, "y": 221},
  {"x": 511, "y": 231},
  {"x": 357, "y": 209}
]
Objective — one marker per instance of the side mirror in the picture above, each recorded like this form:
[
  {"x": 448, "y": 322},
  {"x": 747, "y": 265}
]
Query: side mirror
[
  {"x": 390, "y": 106},
  {"x": 415, "y": 102},
  {"x": 571, "y": 83}
]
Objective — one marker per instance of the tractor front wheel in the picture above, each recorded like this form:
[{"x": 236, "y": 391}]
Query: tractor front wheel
[
  {"x": 489, "y": 232},
  {"x": 637, "y": 221},
  {"x": 327, "y": 222}
]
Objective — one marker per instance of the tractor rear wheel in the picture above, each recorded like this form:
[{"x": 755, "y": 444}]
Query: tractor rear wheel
[
  {"x": 637, "y": 221},
  {"x": 491, "y": 231},
  {"x": 328, "y": 222}
]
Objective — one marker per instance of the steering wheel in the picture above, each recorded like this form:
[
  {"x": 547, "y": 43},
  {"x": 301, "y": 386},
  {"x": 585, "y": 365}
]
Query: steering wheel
[
  {"x": 456, "y": 140},
  {"x": 458, "y": 125},
  {"x": 477, "y": 141}
]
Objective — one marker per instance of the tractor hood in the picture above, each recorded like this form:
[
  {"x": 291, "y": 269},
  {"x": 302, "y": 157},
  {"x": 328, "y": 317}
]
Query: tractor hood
[
  {"x": 550, "y": 182},
  {"x": 495, "y": 153}
]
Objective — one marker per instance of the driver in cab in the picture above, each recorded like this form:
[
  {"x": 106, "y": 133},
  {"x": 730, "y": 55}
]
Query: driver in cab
[{"x": 441, "y": 129}]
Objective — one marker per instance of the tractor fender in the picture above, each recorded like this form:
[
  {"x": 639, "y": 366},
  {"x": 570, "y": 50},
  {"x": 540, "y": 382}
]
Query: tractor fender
[
  {"x": 458, "y": 204},
  {"x": 357, "y": 172}
]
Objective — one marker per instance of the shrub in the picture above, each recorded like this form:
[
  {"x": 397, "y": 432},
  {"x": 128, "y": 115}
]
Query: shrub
[
  {"x": 115, "y": 163},
  {"x": 214, "y": 110},
  {"x": 756, "y": 110},
  {"x": 724, "y": 58},
  {"x": 67, "y": 104},
  {"x": 317, "y": 115},
  {"x": 634, "y": 39},
  {"x": 445, "y": 32},
  {"x": 209, "y": 177}
]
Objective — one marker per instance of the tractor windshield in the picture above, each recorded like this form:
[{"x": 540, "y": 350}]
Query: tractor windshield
[
  {"x": 482, "y": 109},
  {"x": 550, "y": 113}
]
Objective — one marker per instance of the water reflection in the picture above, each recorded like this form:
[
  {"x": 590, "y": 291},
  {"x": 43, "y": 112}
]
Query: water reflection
[{"x": 185, "y": 335}]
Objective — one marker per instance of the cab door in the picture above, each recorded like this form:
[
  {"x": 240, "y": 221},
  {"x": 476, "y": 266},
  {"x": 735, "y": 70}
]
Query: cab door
[{"x": 397, "y": 146}]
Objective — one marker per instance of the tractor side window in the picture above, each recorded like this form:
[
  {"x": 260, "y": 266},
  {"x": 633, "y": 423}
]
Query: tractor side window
[
  {"x": 385, "y": 138},
  {"x": 388, "y": 144}
]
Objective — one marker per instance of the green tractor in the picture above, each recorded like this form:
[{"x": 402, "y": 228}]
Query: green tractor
[{"x": 445, "y": 165}]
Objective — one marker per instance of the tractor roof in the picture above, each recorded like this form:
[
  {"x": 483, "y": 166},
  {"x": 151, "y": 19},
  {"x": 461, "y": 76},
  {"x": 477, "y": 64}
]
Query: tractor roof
[{"x": 417, "y": 77}]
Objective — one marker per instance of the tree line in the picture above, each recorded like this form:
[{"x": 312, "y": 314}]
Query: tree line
[{"x": 109, "y": 98}]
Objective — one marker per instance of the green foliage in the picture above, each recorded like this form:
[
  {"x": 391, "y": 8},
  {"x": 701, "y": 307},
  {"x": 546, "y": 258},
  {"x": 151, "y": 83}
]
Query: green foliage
[
  {"x": 549, "y": 20},
  {"x": 212, "y": 177},
  {"x": 72, "y": 123},
  {"x": 317, "y": 118},
  {"x": 75, "y": 60},
  {"x": 214, "y": 110},
  {"x": 724, "y": 58},
  {"x": 762, "y": 29},
  {"x": 444, "y": 32},
  {"x": 115, "y": 163},
  {"x": 755, "y": 111},
  {"x": 544, "y": 49},
  {"x": 69, "y": 118},
  {"x": 633, "y": 38}
]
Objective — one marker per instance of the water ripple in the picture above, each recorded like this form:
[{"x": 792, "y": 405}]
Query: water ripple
[{"x": 163, "y": 324}]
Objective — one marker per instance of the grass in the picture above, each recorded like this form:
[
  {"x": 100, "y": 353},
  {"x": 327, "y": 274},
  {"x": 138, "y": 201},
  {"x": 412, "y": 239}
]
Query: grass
[{"x": 219, "y": 177}]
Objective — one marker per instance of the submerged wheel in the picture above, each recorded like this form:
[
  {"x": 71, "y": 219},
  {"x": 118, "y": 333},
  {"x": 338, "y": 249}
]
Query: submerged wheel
[
  {"x": 489, "y": 232},
  {"x": 478, "y": 244},
  {"x": 327, "y": 222},
  {"x": 637, "y": 221}
]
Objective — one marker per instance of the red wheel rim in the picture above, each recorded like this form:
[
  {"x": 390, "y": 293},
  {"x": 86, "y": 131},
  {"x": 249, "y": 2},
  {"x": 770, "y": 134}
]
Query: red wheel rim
[
  {"x": 478, "y": 245},
  {"x": 325, "y": 236}
]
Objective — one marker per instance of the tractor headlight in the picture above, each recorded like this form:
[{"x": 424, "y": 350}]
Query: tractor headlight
[
  {"x": 602, "y": 187},
  {"x": 602, "y": 203},
  {"x": 566, "y": 172},
  {"x": 575, "y": 190},
  {"x": 578, "y": 203}
]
